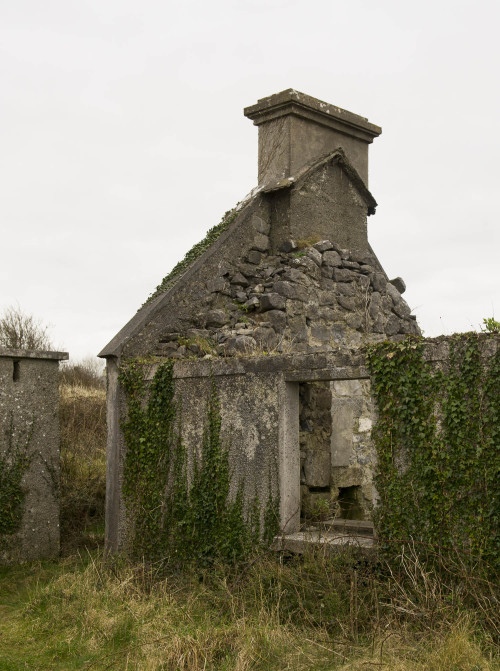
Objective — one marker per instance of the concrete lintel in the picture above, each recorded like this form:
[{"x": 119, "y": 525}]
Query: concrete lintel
[
  {"x": 208, "y": 368},
  {"x": 295, "y": 367},
  {"x": 32, "y": 354},
  {"x": 345, "y": 373}
]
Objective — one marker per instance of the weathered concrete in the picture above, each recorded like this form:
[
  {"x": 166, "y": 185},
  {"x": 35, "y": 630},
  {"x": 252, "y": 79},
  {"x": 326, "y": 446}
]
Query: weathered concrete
[
  {"x": 295, "y": 128},
  {"x": 115, "y": 510},
  {"x": 29, "y": 419}
]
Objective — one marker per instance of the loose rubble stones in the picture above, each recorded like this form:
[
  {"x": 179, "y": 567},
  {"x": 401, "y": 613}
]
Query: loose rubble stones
[{"x": 312, "y": 300}]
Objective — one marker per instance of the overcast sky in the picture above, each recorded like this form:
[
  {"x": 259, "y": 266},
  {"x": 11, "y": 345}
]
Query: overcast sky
[{"x": 122, "y": 140}]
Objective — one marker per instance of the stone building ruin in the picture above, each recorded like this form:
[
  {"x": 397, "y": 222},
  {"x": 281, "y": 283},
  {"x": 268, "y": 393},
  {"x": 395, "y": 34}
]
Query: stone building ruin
[
  {"x": 29, "y": 454},
  {"x": 274, "y": 305}
]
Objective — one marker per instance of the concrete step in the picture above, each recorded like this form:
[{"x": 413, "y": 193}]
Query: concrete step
[
  {"x": 301, "y": 541},
  {"x": 343, "y": 526}
]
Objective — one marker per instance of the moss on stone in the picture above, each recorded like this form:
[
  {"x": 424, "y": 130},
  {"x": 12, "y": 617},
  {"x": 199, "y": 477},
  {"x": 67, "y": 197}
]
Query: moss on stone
[{"x": 194, "y": 253}]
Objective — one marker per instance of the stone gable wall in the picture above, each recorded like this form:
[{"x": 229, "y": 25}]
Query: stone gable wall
[{"x": 320, "y": 298}]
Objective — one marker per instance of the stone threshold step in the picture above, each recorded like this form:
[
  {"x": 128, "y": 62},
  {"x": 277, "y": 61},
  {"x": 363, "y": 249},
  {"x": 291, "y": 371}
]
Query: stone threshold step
[
  {"x": 361, "y": 527},
  {"x": 301, "y": 541}
]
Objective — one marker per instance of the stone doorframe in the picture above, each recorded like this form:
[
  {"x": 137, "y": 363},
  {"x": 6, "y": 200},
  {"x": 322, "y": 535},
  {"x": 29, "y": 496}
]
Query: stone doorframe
[{"x": 289, "y": 448}]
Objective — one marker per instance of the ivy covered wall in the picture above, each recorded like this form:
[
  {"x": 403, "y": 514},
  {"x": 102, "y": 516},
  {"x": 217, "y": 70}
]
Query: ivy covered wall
[
  {"x": 438, "y": 442},
  {"x": 184, "y": 500}
]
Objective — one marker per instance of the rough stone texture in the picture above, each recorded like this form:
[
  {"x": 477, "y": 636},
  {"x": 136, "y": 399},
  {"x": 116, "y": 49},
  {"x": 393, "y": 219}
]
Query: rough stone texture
[
  {"x": 352, "y": 454},
  {"x": 399, "y": 283},
  {"x": 29, "y": 397}
]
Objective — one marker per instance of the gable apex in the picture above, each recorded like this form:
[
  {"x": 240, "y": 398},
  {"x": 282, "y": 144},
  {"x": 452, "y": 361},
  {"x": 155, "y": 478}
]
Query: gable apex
[{"x": 337, "y": 156}]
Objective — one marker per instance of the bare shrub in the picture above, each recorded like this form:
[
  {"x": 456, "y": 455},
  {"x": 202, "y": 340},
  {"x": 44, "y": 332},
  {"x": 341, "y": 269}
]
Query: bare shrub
[
  {"x": 22, "y": 331},
  {"x": 88, "y": 372}
]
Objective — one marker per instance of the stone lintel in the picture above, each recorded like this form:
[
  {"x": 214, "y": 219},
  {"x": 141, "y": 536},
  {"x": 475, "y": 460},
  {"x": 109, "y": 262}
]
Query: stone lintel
[
  {"x": 292, "y": 102},
  {"x": 345, "y": 373},
  {"x": 8, "y": 353},
  {"x": 294, "y": 367}
]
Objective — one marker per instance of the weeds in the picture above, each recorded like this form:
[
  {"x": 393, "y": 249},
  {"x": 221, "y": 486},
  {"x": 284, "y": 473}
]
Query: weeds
[
  {"x": 83, "y": 453},
  {"x": 345, "y": 612}
]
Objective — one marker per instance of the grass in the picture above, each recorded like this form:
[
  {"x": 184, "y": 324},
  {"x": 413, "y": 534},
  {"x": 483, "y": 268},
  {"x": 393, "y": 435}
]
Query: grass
[
  {"x": 347, "y": 612},
  {"x": 83, "y": 459},
  {"x": 89, "y": 611}
]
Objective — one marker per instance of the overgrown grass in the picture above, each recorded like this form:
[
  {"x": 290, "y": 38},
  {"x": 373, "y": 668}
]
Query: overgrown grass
[
  {"x": 82, "y": 396},
  {"x": 314, "y": 612}
]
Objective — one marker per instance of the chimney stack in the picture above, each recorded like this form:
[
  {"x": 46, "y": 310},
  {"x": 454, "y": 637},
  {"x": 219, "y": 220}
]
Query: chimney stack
[{"x": 295, "y": 129}]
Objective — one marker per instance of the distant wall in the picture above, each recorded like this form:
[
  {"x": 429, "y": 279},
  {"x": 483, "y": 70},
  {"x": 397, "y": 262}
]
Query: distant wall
[{"x": 29, "y": 454}]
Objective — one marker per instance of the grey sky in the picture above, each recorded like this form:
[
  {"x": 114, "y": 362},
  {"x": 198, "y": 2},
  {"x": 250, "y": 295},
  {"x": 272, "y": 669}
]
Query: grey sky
[{"x": 122, "y": 140}]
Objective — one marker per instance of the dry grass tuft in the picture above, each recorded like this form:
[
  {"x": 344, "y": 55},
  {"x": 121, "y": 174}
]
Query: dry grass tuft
[
  {"x": 82, "y": 409},
  {"x": 96, "y": 612}
]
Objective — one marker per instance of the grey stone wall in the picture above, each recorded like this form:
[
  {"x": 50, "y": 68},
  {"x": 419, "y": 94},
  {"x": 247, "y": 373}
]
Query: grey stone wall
[
  {"x": 318, "y": 298},
  {"x": 337, "y": 455},
  {"x": 29, "y": 416},
  {"x": 293, "y": 272}
]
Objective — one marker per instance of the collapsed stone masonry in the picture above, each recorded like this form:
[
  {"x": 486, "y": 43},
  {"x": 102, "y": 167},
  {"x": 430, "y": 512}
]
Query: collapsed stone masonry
[{"x": 315, "y": 299}]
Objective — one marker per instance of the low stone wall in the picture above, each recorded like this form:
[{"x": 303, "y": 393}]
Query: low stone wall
[{"x": 29, "y": 455}]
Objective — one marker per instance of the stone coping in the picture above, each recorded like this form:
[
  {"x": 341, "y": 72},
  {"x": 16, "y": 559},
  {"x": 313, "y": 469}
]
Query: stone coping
[
  {"x": 299, "y": 104},
  {"x": 8, "y": 353}
]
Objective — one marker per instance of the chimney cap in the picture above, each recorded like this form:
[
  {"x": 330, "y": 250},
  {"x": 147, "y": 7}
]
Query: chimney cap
[{"x": 292, "y": 102}]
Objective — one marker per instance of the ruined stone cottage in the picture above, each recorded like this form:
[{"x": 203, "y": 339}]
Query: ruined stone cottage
[{"x": 274, "y": 306}]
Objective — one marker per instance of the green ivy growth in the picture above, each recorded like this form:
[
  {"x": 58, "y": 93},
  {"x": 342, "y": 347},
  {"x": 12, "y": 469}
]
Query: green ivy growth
[
  {"x": 179, "y": 514},
  {"x": 14, "y": 462},
  {"x": 490, "y": 325},
  {"x": 194, "y": 253},
  {"x": 438, "y": 446}
]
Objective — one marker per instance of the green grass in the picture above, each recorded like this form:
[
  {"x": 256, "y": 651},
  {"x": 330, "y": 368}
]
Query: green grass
[{"x": 91, "y": 612}]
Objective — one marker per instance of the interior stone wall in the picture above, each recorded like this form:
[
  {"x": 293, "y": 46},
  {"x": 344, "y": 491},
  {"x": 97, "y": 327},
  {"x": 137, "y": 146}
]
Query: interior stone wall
[
  {"x": 336, "y": 451},
  {"x": 352, "y": 453}
]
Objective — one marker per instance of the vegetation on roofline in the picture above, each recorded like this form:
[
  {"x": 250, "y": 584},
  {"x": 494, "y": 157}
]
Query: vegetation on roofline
[{"x": 194, "y": 253}]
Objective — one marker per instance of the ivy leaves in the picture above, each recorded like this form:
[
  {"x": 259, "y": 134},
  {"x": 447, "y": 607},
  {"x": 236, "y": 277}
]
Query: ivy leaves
[
  {"x": 14, "y": 462},
  {"x": 180, "y": 514},
  {"x": 437, "y": 439}
]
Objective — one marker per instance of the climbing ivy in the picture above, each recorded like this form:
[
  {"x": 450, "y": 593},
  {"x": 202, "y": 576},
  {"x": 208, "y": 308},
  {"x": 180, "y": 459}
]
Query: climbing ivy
[
  {"x": 180, "y": 513},
  {"x": 195, "y": 252},
  {"x": 437, "y": 439},
  {"x": 14, "y": 462}
]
